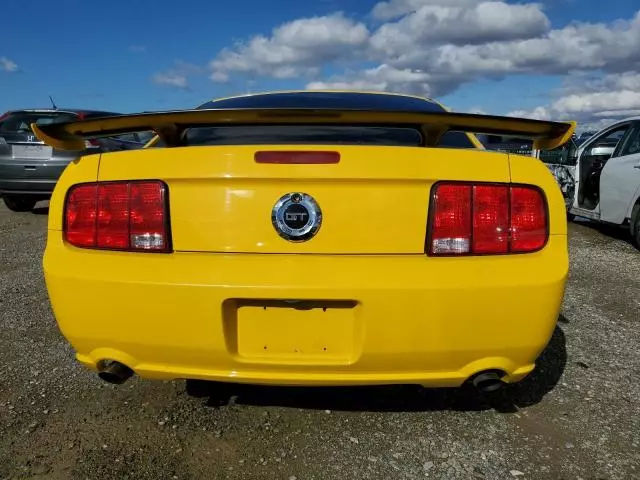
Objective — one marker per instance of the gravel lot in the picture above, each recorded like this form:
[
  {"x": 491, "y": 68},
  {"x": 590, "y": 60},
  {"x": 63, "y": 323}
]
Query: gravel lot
[{"x": 578, "y": 416}]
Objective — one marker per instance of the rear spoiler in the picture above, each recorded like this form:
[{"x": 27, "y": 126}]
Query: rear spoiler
[{"x": 170, "y": 125}]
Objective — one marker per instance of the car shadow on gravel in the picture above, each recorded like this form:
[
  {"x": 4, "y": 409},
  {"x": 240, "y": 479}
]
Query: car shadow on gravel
[
  {"x": 608, "y": 232},
  {"x": 400, "y": 398},
  {"x": 41, "y": 210}
]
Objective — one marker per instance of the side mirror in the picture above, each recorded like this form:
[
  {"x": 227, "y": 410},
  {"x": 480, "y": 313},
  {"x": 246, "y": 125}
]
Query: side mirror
[{"x": 601, "y": 151}]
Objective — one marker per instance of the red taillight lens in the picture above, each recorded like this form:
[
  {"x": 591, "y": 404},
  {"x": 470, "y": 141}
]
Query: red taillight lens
[
  {"x": 528, "y": 220},
  {"x": 113, "y": 215},
  {"x": 80, "y": 216},
  {"x": 118, "y": 216},
  {"x": 452, "y": 219},
  {"x": 481, "y": 219},
  {"x": 490, "y": 219},
  {"x": 148, "y": 225}
]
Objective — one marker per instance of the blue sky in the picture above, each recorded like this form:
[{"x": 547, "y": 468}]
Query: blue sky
[{"x": 153, "y": 55}]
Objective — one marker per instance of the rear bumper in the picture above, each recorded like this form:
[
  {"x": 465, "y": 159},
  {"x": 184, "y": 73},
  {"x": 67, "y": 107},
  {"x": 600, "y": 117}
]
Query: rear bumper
[
  {"x": 40, "y": 188},
  {"x": 419, "y": 320},
  {"x": 29, "y": 177}
]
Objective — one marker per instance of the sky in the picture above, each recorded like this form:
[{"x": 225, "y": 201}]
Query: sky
[{"x": 551, "y": 59}]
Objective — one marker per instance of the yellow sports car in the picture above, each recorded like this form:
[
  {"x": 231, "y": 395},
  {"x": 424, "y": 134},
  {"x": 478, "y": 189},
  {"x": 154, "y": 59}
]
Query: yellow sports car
[{"x": 308, "y": 238}]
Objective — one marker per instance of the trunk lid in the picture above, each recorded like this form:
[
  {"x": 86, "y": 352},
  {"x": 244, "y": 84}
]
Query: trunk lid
[{"x": 375, "y": 200}]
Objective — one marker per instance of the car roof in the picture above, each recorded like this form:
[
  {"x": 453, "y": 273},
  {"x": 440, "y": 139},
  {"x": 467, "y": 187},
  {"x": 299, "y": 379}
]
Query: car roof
[
  {"x": 60, "y": 110},
  {"x": 635, "y": 118},
  {"x": 628, "y": 119},
  {"x": 622, "y": 120},
  {"x": 328, "y": 99}
]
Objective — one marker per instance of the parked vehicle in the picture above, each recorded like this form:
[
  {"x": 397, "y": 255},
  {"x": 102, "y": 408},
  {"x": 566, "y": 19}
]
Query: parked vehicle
[
  {"x": 128, "y": 141},
  {"x": 561, "y": 161},
  {"x": 29, "y": 169},
  {"x": 308, "y": 238},
  {"x": 584, "y": 136},
  {"x": 607, "y": 177}
]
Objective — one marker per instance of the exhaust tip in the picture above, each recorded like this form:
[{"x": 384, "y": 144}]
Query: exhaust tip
[
  {"x": 487, "y": 382},
  {"x": 114, "y": 372}
]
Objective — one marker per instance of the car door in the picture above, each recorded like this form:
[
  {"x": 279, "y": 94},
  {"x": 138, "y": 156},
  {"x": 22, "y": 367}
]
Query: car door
[
  {"x": 593, "y": 155},
  {"x": 620, "y": 179}
]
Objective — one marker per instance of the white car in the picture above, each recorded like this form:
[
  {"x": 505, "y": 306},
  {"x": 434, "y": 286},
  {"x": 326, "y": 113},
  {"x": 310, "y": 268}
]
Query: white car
[{"x": 607, "y": 177}]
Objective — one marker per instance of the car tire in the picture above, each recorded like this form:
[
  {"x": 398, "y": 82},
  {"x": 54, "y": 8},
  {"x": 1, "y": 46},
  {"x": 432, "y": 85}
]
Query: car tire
[
  {"x": 635, "y": 224},
  {"x": 19, "y": 203},
  {"x": 570, "y": 217}
]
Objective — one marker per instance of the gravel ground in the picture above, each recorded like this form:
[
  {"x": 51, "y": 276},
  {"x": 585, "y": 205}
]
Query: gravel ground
[{"x": 578, "y": 416}]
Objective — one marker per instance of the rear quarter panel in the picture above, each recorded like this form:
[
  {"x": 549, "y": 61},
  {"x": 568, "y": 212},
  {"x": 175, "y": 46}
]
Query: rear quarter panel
[
  {"x": 79, "y": 170},
  {"x": 531, "y": 171}
]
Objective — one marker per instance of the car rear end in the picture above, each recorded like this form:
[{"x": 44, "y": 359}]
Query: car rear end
[
  {"x": 429, "y": 265},
  {"x": 29, "y": 169}
]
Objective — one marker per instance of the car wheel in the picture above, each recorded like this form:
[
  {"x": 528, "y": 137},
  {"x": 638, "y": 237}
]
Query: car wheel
[
  {"x": 17, "y": 203},
  {"x": 636, "y": 226},
  {"x": 570, "y": 217}
]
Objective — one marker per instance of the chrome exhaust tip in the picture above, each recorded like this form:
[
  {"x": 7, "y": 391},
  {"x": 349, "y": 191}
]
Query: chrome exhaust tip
[
  {"x": 114, "y": 372},
  {"x": 487, "y": 382}
]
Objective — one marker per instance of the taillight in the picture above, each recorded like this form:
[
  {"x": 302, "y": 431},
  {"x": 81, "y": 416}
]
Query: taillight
[
  {"x": 481, "y": 219},
  {"x": 452, "y": 220},
  {"x": 118, "y": 216},
  {"x": 528, "y": 219}
]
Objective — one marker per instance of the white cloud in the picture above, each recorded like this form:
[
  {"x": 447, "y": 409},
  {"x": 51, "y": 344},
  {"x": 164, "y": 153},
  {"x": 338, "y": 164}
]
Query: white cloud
[
  {"x": 296, "y": 48},
  {"x": 589, "y": 82},
  {"x": 572, "y": 48},
  {"x": 219, "y": 77},
  {"x": 7, "y": 65},
  {"x": 433, "y": 25},
  {"x": 478, "y": 111},
  {"x": 455, "y": 41},
  {"x": 397, "y": 8},
  {"x": 592, "y": 103},
  {"x": 381, "y": 78},
  {"x": 538, "y": 113},
  {"x": 178, "y": 76},
  {"x": 432, "y": 47},
  {"x": 595, "y": 103},
  {"x": 171, "y": 79}
]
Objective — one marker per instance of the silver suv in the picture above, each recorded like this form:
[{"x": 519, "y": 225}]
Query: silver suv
[{"x": 29, "y": 169}]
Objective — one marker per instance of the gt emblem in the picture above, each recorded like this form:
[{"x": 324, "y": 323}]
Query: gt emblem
[{"x": 296, "y": 217}]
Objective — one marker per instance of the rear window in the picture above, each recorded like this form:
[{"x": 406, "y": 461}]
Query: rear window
[
  {"x": 21, "y": 122},
  {"x": 303, "y": 134},
  {"x": 328, "y": 100},
  {"x": 456, "y": 140},
  {"x": 318, "y": 135}
]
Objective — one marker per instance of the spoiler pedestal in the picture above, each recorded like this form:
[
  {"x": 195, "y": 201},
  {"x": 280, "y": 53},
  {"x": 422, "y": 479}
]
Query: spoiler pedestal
[{"x": 170, "y": 125}]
